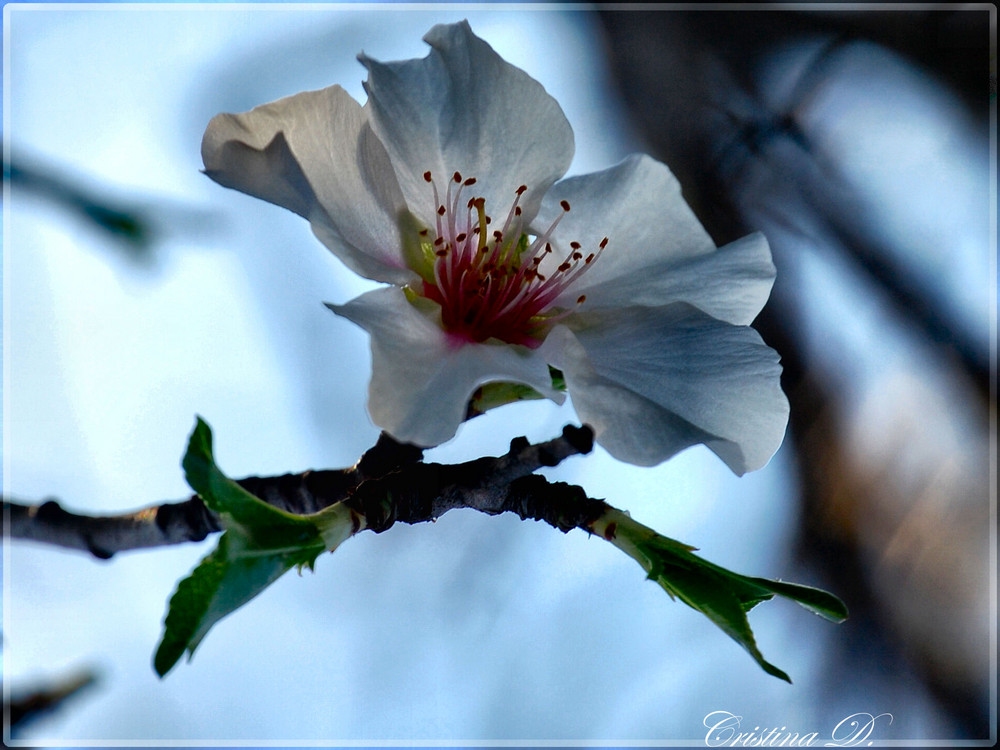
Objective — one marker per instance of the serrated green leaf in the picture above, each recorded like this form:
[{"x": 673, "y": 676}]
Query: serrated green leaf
[
  {"x": 260, "y": 544},
  {"x": 721, "y": 595},
  {"x": 269, "y": 527},
  {"x": 817, "y": 601},
  {"x": 225, "y": 580},
  {"x": 188, "y": 609},
  {"x": 710, "y": 596}
]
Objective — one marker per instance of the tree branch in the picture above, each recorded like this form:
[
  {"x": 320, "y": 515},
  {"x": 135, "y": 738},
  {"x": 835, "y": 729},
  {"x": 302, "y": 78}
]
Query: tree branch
[
  {"x": 25, "y": 707},
  {"x": 389, "y": 483}
]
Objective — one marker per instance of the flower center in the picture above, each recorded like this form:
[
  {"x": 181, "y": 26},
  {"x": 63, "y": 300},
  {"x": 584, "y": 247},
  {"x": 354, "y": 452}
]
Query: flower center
[{"x": 488, "y": 282}]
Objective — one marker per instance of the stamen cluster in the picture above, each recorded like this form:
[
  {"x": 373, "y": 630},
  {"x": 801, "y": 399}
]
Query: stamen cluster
[{"x": 489, "y": 284}]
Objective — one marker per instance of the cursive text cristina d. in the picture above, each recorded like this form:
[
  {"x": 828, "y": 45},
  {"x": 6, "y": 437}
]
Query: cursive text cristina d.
[{"x": 725, "y": 729}]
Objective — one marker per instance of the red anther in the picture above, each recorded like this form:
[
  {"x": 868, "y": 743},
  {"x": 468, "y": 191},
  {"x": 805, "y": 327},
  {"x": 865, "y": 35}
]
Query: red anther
[
  {"x": 604, "y": 243},
  {"x": 487, "y": 278},
  {"x": 581, "y": 299}
]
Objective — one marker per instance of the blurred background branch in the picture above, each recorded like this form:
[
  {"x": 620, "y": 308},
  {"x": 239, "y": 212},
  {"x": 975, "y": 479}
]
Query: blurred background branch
[
  {"x": 45, "y": 697},
  {"x": 135, "y": 226},
  {"x": 780, "y": 121},
  {"x": 128, "y": 226}
]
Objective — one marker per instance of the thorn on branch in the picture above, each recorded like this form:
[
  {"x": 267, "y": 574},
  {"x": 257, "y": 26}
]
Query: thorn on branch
[
  {"x": 191, "y": 514},
  {"x": 387, "y": 455},
  {"x": 581, "y": 438},
  {"x": 518, "y": 444}
]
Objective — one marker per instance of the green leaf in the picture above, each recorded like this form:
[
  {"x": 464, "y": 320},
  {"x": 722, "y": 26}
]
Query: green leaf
[
  {"x": 260, "y": 544},
  {"x": 491, "y": 395},
  {"x": 267, "y": 526},
  {"x": 226, "y": 579},
  {"x": 721, "y": 595}
]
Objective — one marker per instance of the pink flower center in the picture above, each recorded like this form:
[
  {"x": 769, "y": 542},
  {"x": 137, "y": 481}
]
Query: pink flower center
[{"x": 488, "y": 282}]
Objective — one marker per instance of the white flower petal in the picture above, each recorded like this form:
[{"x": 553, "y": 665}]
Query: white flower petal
[
  {"x": 315, "y": 154},
  {"x": 652, "y": 381},
  {"x": 463, "y": 108},
  {"x": 422, "y": 378},
  {"x": 637, "y": 205},
  {"x": 731, "y": 284}
]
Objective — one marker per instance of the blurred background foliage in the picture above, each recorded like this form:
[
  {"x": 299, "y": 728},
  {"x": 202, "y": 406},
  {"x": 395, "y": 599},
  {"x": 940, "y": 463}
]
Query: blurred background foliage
[{"x": 859, "y": 143}]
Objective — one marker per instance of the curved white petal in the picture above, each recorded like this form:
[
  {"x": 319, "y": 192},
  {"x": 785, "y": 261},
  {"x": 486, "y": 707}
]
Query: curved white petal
[
  {"x": 422, "y": 378},
  {"x": 463, "y": 108},
  {"x": 637, "y": 205},
  {"x": 315, "y": 154},
  {"x": 731, "y": 284},
  {"x": 652, "y": 381}
]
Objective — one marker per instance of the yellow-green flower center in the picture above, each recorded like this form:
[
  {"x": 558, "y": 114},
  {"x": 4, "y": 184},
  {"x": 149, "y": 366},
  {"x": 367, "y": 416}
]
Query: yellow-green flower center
[{"x": 489, "y": 282}]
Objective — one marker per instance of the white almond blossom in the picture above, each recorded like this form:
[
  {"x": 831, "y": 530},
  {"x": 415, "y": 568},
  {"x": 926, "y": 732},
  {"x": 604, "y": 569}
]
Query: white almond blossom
[{"x": 444, "y": 186}]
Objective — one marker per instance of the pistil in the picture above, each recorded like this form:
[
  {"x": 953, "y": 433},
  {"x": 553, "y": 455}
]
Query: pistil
[{"x": 489, "y": 284}]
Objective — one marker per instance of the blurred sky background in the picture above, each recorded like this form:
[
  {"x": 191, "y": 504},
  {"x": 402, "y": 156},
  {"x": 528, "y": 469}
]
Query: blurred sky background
[{"x": 205, "y": 301}]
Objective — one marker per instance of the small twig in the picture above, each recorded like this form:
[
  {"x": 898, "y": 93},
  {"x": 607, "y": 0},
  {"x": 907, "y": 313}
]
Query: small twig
[
  {"x": 190, "y": 520},
  {"x": 25, "y": 707},
  {"x": 103, "y": 536},
  {"x": 388, "y": 484}
]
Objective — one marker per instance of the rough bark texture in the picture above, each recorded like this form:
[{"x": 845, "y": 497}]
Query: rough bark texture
[{"x": 389, "y": 483}]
